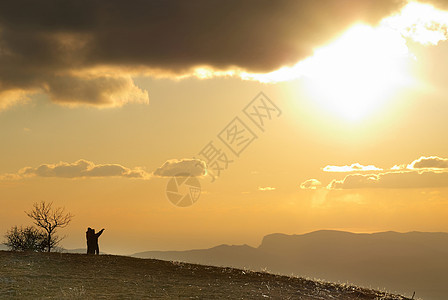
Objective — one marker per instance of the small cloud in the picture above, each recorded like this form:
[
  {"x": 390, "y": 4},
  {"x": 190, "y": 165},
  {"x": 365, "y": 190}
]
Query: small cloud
[
  {"x": 356, "y": 167},
  {"x": 267, "y": 188},
  {"x": 310, "y": 184},
  {"x": 431, "y": 162},
  {"x": 182, "y": 167}
]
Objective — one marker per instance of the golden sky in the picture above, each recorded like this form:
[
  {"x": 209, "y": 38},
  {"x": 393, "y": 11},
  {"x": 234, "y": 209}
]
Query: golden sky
[{"x": 100, "y": 105}]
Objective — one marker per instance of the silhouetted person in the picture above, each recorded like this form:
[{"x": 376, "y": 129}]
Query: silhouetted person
[
  {"x": 92, "y": 241},
  {"x": 89, "y": 238}
]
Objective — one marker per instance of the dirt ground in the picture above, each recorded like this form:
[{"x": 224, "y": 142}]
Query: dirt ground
[{"x": 80, "y": 276}]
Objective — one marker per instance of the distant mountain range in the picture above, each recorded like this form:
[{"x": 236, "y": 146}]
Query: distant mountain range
[{"x": 398, "y": 262}]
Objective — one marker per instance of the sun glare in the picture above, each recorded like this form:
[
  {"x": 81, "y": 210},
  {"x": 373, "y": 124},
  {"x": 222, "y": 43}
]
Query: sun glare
[
  {"x": 367, "y": 66},
  {"x": 363, "y": 69},
  {"x": 355, "y": 75}
]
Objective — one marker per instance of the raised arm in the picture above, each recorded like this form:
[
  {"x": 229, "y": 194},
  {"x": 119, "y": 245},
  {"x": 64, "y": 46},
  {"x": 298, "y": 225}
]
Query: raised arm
[{"x": 99, "y": 233}]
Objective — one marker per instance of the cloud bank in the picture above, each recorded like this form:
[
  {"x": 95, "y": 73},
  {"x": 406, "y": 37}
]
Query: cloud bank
[
  {"x": 87, "y": 169},
  {"x": 393, "y": 180},
  {"x": 85, "y": 52},
  {"x": 79, "y": 169},
  {"x": 424, "y": 172}
]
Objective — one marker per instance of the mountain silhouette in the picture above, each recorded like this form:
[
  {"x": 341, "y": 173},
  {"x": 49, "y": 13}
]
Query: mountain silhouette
[{"x": 398, "y": 262}]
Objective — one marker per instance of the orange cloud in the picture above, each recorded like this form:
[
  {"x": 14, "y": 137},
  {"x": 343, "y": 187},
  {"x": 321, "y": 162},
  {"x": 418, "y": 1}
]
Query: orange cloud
[
  {"x": 79, "y": 169},
  {"x": 424, "y": 172}
]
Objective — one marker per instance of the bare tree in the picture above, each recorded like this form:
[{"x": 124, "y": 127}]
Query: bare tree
[{"x": 49, "y": 219}]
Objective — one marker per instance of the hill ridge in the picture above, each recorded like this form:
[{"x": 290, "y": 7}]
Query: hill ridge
[{"x": 81, "y": 276}]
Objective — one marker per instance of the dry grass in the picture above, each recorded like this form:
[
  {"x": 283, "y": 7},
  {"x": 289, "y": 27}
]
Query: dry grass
[{"x": 79, "y": 276}]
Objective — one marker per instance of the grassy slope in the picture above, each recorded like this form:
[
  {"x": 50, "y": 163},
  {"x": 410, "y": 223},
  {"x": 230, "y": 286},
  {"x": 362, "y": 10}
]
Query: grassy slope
[{"x": 72, "y": 276}]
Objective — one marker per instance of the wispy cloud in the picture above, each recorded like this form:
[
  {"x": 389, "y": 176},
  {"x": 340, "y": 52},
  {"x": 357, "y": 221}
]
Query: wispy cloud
[
  {"x": 267, "y": 188},
  {"x": 356, "y": 167}
]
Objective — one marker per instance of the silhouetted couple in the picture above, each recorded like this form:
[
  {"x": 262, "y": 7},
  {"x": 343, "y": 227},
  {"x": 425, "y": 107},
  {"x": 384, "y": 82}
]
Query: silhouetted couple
[{"x": 92, "y": 241}]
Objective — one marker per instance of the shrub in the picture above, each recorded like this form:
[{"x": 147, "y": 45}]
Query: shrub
[{"x": 26, "y": 239}]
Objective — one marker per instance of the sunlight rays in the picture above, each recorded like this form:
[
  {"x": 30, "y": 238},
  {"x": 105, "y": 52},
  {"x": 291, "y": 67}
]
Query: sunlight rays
[{"x": 362, "y": 70}]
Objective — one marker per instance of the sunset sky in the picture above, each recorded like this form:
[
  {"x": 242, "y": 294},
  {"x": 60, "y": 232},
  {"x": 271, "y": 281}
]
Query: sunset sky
[{"x": 102, "y": 102}]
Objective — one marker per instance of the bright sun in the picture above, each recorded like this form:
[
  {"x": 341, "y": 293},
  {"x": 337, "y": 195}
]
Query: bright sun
[
  {"x": 357, "y": 73},
  {"x": 367, "y": 66}
]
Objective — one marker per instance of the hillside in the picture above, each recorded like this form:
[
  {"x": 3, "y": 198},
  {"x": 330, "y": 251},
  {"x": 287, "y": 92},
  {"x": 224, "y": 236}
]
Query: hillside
[
  {"x": 79, "y": 276},
  {"x": 398, "y": 262}
]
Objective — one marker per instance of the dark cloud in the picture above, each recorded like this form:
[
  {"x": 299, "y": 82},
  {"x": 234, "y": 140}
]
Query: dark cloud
[
  {"x": 82, "y": 169},
  {"x": 259, "y": 35},
  {"x": 182, "y": 167},
  {"x": 54, "y": 45}
]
